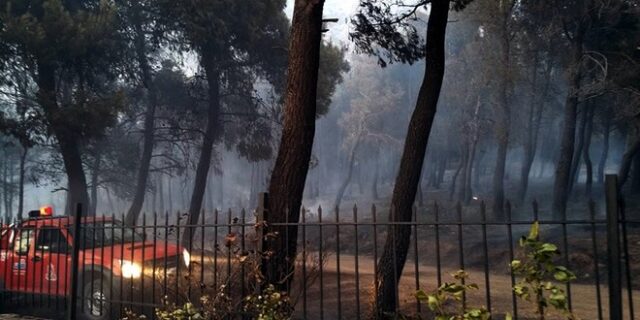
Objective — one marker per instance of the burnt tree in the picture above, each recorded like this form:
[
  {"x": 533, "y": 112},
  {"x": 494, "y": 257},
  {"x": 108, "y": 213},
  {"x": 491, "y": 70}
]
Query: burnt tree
[
  {"x": 375, "y": 24},
  {"x": 294, "y": 154}
]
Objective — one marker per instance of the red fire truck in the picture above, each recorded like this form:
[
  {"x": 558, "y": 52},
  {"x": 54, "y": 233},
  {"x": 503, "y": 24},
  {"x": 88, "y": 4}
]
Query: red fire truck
[{"x": 113, "y": 261}]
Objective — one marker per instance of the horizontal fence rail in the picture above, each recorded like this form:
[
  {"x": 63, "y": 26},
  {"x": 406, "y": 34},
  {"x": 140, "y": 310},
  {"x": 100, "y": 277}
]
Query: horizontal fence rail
[{"x": 137, "y": 269}]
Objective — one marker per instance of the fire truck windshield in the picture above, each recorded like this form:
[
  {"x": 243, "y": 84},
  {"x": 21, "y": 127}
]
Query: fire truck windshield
[{"x": 107, "y": 233}]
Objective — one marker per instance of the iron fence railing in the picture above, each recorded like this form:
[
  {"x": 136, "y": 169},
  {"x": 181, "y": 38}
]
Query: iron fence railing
[{"x": 137, "y": 269}]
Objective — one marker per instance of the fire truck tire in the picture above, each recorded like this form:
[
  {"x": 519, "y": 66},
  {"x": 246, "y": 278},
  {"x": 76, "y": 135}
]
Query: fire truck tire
[{"x": 95, "y": 298}]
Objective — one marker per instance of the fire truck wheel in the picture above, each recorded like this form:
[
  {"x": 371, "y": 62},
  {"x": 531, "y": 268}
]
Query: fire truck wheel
[{"x": 96, "y": 301}]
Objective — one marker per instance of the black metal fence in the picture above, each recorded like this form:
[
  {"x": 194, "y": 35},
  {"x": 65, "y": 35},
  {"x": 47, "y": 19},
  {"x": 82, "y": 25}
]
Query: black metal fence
[{"x": 124, "y": 269}]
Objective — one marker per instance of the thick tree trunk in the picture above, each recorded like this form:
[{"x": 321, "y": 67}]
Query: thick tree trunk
[
  {"x": 3, "y": 183},
  {"x": 474, "y": 135},
  {"x": 10, "y": 195},
  {"x": 420, "y": 194},
  {"x": 527, "y": 161},
  {"x": 149, "y": 127},
  {"x": 211, "y": 135},
  {"x": 396, "y": 245},
  {"x": 209, "y": 194},
  {"x": 627, "y": 159},
  {"x": 577, "y": 155},
  {"x": 586, "y": 156},
  {"x": 220, "y": 190},
  {"x": 95, "y": 170},
  {"x": 468, "y": 191},
  {"x": 498, "y": 178},
  {"x": 533, "y": 130},
  {"x": 563, "y": 166},
  {"x": 68, "y": 143},
  {"x": 23, "y": 160},
  {"x": 503, "y": 118},
  {"x": 292, "y": 162},
  {"x": 5, "y": 186},
  {"x": 606, "y": 131},
  {"x": 161, "y": 202}
]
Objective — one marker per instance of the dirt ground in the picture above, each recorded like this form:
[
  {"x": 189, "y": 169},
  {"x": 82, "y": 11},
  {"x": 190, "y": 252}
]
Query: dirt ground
[{"x": 584, "y": 296}]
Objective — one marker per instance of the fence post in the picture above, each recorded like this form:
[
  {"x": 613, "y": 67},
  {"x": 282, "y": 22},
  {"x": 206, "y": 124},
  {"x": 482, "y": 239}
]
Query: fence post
[
  {"x": 74, "y": 263},
  {"x": 261, "y": 221},
  {"x": 613, "y": 247}
]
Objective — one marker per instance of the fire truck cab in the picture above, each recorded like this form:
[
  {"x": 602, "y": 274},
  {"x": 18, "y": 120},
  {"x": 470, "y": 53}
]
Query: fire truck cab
[{"x": 36, "y": 255}]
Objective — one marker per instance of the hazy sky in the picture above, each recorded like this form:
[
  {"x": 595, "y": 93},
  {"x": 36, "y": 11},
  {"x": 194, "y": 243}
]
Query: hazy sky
[{"x": 341, "y": 9}]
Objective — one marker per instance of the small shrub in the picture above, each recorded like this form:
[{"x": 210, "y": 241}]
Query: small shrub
[
  {"x": 269, "y": 305},
  {"x": 185, "y": 312},
  {"x": 539, "y": 275},
  {"x": 453, "y": 292}
]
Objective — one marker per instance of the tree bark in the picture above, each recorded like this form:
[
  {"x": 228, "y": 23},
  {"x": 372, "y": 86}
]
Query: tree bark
[
  {"x": 149, "y": 125},
  {"x": 23, "y": 160},
  {"x": 396, "y": 245},
  {"x": 502, "y": 123},
  {"x": 563, "y": 166},
  {"x": 95, "y": 170},
  {"x": 605, "y": 148},
  {"x": 627, "y": 159},
  {"x": 5, "y": 186},
  {"x": 211, "y": 135},
  {"x": 474, "y": 136},
  {"x": 10, "y": 193},
  {"x": 420, "y": 194},
  {"x": 586, "y": 156},
  {"x": 468, "y": 191},
  {"x": 161, "y": 202},
  {"x": 577, "y": 155},
  {"x": 533, "y": 130},
  {"x": 294, "y": 154},
  {"x": 68, "y": 143}
]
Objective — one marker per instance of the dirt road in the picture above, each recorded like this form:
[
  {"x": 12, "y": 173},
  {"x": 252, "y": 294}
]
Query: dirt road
[{"x": 584, "y": 296}]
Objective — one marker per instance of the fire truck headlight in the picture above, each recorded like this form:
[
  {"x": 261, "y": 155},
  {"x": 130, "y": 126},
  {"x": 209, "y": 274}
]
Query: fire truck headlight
[
  {"x": 186, "y": 256},
  {"x": 130, "y": 269}
]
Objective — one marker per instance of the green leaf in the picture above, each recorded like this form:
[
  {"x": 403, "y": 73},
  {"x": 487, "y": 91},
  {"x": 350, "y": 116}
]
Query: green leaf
[
  {"x": 421, "y": 295},
  {"x": 548, "y": 247},
  {"x": 432, "y": 302},
  {"x": 534, "y": 231},
  {"x": 561, "y": 276}
]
